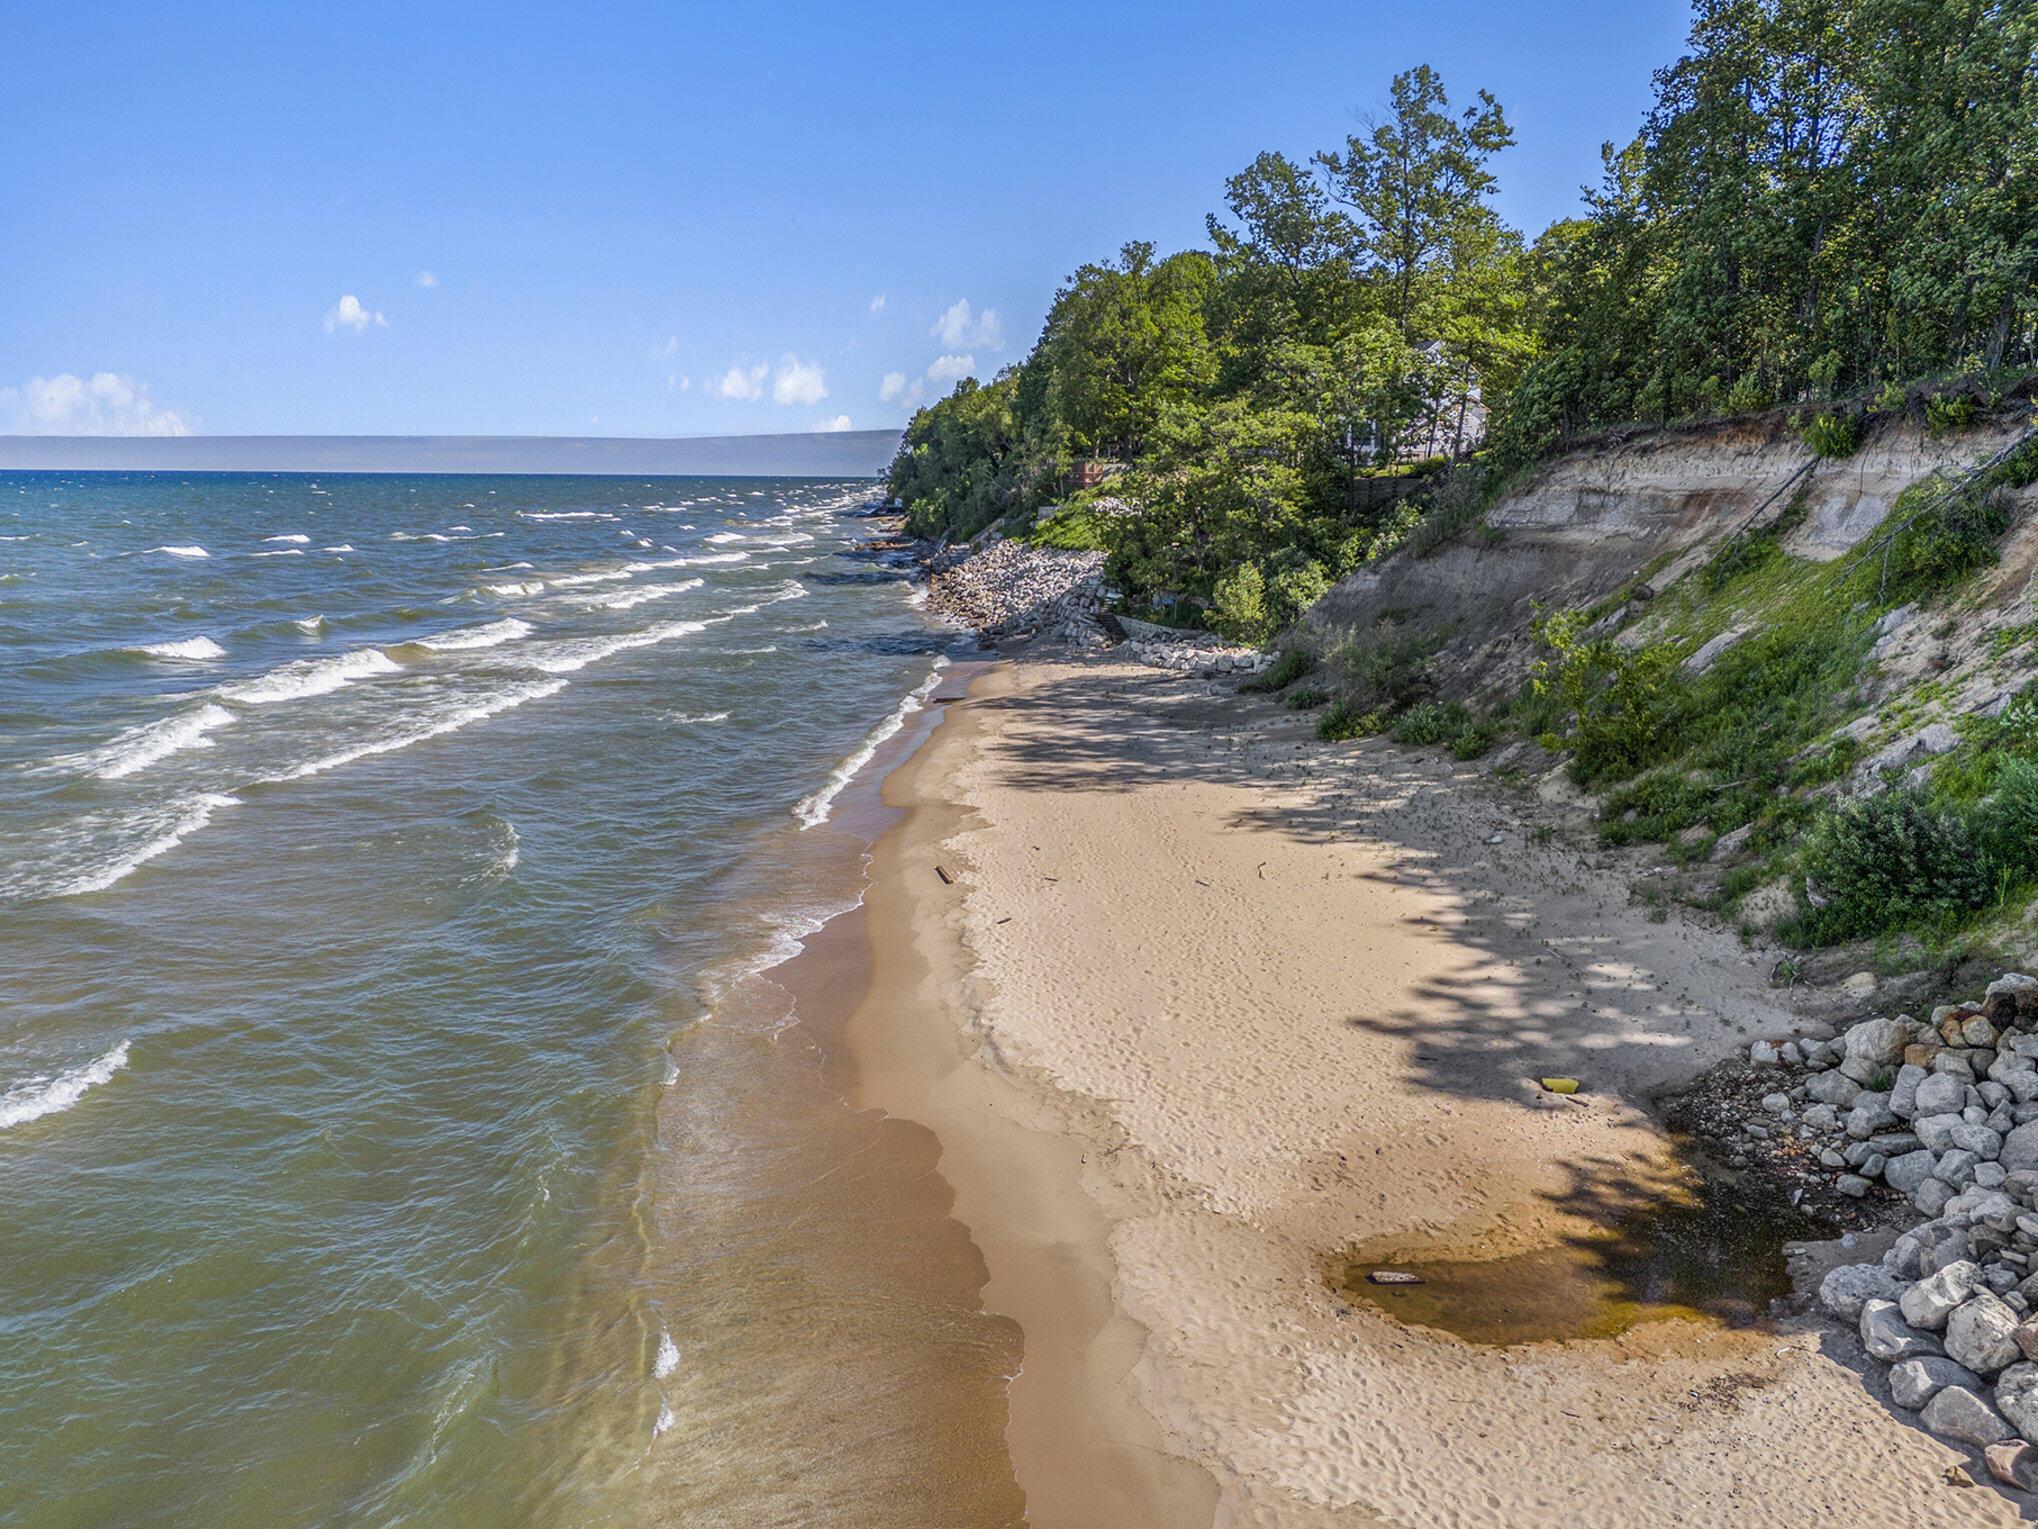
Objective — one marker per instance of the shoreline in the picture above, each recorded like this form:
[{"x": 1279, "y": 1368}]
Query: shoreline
[{"x": 1157, "y": 1158}]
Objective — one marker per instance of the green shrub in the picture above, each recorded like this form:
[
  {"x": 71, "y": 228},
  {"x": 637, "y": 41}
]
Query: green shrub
[
  {"x": 1294, "y": 662},
  {"x": 1344, "y": 720},
  {"x": 1891, "y": 860},
  {"x": 2009, "y": 821},
  {"x": 1949, "y": 538},
  {"x": 1471, "y": 742},
  {"x": 1420, "y": 724},
  {"x": 1614, "y": 696},
  {"x": 1304, "y": 697},
  {"x": 1748, "y": 396},
  {"x": 1385, "y": 673},
  {"x": 1241, "y": 604},
  {"x": 1834, "y": 435},
  {"x": 1071, "y": 528},
  {"x": 1947, "y": 412}
]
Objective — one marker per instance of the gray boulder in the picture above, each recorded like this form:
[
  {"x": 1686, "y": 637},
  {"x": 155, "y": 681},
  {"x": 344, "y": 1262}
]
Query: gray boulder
[
  {"x": 1887, "y": 1337},
  {"x": 2020, "y": 1148},
  {"x": 1834, "y": 1088},
  {"x": 1956, "y": 1168},
  {"x": 1932, "y": 1195},
  {"x": 1935, "y": 1132},
  {"x": 1906, "y": 1173},
  {"x": 1869, "y": 1115},
  {"x": 1845, "y": 1290},
  {"x": 1913, "y": 1382},
  {"x": 1959, "y": 1412},
  {"x": 2012, "y": 983},
  {"x": 2014, "y": 1463},
  {"x": 1982, "y": 1334},
  {"x": 1873, "y": 1047},
  {"x": 1903, "y": 1094},
  {"x": 1938, "y": 1094},
  {"x": 1928, "y": 1303},
  {"x": 1985, "y": 1144},
  {"x": 2017, "y": 1395}
]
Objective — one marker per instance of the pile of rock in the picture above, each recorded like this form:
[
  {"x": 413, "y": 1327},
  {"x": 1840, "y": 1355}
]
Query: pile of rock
[
  {"x": 1931, "y": 1108},
  {"x": 1011, "y": 590},
  {"x": 1949, "y": 1307},
  {"x": 1205, "y": 662}
]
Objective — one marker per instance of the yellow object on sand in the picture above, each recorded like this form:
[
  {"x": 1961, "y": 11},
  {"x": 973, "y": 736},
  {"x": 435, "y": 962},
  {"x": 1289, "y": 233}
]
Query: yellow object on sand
[{"x": 1561, "y": 1085}]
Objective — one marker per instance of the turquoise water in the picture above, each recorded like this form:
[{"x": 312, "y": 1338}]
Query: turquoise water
[{"x": 363, "y": 841}]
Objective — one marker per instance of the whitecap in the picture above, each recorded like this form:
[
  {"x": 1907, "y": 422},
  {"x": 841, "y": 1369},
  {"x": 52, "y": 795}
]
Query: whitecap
[
  {"x": 192, "y": 814},
  {"x": 813, "y": 810},
  {"x": 309, "y": 623},
  {"x": 285, "y": 552},
  {"x": 312, "y": 676},
  {"x": 291, "y": 537},
  {"x": 446, "y": 721},
  {"x": 178, "y": 551},
  {"x": 636, "y": 597},
  {"x": 578, "y": 653},
  {"x": 190, "y": 648},
  {"x": 139, "y": 747},
  {"x": 343, "y": 547},
  {"x": 726, "y": 536},
  {"x": 532, "y": 587},
  {"x": 668, "y": 1351},
  {"x": 702, "y": 720},
  {"x": 52, "y": 1096},
  {"x": 575, "y": 580},
  {"x": 509, "y": 629}
]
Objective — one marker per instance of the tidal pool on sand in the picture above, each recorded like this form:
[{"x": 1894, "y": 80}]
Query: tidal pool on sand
[{"x": 1715, "y": 1253}]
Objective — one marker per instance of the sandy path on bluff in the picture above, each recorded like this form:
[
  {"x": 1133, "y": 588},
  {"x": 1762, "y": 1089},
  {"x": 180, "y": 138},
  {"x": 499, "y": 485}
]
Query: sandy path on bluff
[{"x": 1201, "y": 1002}]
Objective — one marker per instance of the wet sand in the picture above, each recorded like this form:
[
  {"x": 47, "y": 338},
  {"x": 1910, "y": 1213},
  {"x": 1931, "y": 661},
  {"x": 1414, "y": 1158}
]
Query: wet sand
[{"x": 1189, "y": 1004}]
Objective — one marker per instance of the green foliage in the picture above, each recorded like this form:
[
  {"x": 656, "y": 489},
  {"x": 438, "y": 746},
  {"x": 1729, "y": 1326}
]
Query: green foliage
[
  {"x": 1304, "y": 698},
  {"x": 1421, "y": 723},
  {"x": 1344, "y": 719},
  {"x": 1834, "y": 435},
  {"x": 1071, "y": 528},
  {"x": 2009, "y": 823},
  {"x": 1946, "y": 413},
  {"x": 1941, "y": 535},
  {"x": 1892, "y": 860},
  {"x": 1826, "y": 199},
  {"x": 1612, "y": 695},
  {"x": 1241, "y": 605},
  {"x": 1293, "y": 662},
  {"x": 1383, "y": 671}
]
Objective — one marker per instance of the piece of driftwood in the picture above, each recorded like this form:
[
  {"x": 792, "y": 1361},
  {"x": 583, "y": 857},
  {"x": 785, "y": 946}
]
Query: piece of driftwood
[{"x": 1393, "y": 1277}]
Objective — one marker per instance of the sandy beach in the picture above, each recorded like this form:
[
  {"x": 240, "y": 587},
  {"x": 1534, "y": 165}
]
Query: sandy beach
[{"x": 1192, "y": 1004}]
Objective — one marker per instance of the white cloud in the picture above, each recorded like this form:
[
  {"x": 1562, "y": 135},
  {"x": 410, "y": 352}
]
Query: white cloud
[
  {"x": 110, "y": 403},
  {"x": 839, "y": 422},
  {"x": 798, "y": 382},
  {"x": 958, "y": 329},
  {"x": 666, "y": 351},
  {"x": 745, "y": 383},
  {"x": 894, "y": 386},
  {"x": 951, "y": 369},
  {"x": 351, "y": 314},
  {"x": 427, "y": 279},
  {"x": 677, "y": 380},
  {"x": 877, "y": 305}
]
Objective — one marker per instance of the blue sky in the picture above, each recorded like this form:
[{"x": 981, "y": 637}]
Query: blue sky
[{"x": 669, "y": 219}]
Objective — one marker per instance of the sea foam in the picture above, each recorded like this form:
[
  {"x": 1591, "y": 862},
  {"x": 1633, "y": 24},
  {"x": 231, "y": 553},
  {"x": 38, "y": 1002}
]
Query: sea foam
[
  {"x": 52, "y": 1096},
  {"x": 668, "y": 1357},
  {"x": 312, "y": 676},
  {"x": 450, "y": 720},
  {"x": 182, "y": 551},
  {"x": 578, "y": 653},
  {"x": 290, "y": 537},
  {"x": 190, "y": 647},
  {"x": 139, "y": 747},
  {"x": 170, "y": 828},
  {"x": 509, "y": 629},
  {"x": 812, "y": 811}
]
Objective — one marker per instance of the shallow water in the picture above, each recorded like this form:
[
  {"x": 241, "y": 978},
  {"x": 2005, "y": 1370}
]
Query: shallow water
[
  {"x": 363, "y": 844},
  {"x": 1712, "y": 1252}
]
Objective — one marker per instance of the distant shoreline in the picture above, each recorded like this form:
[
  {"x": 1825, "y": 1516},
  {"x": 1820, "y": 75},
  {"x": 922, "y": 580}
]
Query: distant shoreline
[{"x": 816, "y": 454}]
